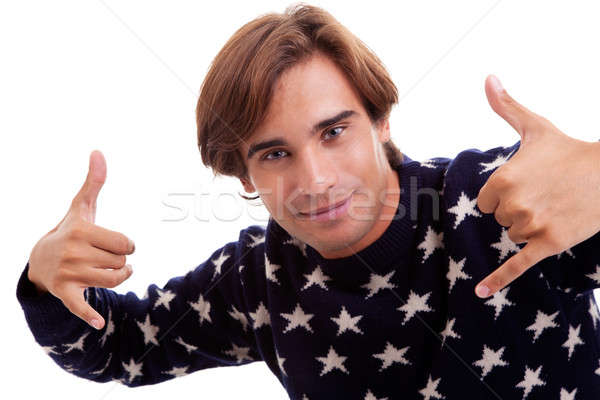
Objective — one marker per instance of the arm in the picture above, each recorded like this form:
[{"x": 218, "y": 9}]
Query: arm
[{"x": 195, "y": 321}]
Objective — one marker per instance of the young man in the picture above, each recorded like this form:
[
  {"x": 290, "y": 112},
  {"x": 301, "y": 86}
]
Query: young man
[{"x": 362, "y": 285}]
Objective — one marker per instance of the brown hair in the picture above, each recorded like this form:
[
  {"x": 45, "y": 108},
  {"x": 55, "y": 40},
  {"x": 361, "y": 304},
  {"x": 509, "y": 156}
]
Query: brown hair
[{"x": 238, "y": 87}]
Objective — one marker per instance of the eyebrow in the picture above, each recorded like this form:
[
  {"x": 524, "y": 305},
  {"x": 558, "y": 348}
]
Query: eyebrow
[{"x": 279, "y": 141}]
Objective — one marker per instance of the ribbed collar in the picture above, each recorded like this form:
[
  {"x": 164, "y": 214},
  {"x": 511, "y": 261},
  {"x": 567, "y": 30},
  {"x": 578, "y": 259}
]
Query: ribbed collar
[{"x": 397, "y": 241}]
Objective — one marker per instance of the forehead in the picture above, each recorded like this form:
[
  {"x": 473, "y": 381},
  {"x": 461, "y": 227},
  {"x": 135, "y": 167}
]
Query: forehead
[{"x": 308, "y": 92}]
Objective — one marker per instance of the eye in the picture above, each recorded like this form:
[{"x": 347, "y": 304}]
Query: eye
[
  {"x": 266, "y": 156},
  {"x": 333, "y": 129}
]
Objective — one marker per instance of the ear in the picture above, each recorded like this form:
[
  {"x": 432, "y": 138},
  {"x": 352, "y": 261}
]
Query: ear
[
  {"x": 383, "y": 130},
  {"x": 248, "y": 187}
]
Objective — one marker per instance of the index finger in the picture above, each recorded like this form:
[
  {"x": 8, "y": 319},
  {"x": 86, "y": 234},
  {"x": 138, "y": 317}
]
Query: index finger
[{"x": 109, "y": 240}]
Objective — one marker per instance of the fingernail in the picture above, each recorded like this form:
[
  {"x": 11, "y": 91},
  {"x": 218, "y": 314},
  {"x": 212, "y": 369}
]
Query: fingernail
[
  {"x": 95, "y": 323},
  {"x": 496, "y": 83},
  {"x": 482, "y": 291},
  {"x": 131, "y": 246}
]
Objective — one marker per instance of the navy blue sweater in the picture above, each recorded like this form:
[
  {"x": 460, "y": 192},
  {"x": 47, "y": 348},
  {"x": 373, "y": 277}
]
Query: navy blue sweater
[{"x": 397, "y": 320}]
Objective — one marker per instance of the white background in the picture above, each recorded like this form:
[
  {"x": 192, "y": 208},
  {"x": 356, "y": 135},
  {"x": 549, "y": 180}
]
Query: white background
[{"x": 122, "y": 77}]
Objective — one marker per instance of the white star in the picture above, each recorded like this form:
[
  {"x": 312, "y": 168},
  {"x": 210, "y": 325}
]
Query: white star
[
  {"x": 499, "y": 300},
  {"x": 430, "y": 390},
  {"x": 573, "y": 339},
  {"x": 202, "y": 307},
  {"x": 110, "y": 328},
  {"x": 414, "y": 304},
  {"x": 428, "y": 163},
  {"x": 270, "y": 270},
  {"x": 500, "y": 159},
  {"x": 391, "y": 355},
  {"x": 240, "y": 316},
  {"x": 332, "y": 361},
  {"x": 133, "y": 369},
  {"x": 164, "y": 298},
  {"x": 260, "y": 316},
  {"x": 177, "y": 371},
  {"x": 240, "y": 353},
  {"x": 448, "y": 331},
  {"x": 148, "y": 330},
  {"x": 565, "y": 395},
  {"x": 464, "y": 206},
  {"x": 568, "y": 251},
  {"x": 455, "y": 272},
  {"x": 489, "y": 360},
  {"x": 378, "y": 282},
  {"x": 297, "y": 318},
  {"x": 317, "y": 277},
  {"x": 594, "y": 313},
  {"x": 188, "y": 347},
  {"x": 505, "y": 245},
  {"x": 597, "y": 372},
  {"x": 596, "y": 275},
  {"x": 280, "y": 361},
  {"x": 531, "y": 379},
  {"x": 102, "y": 369},
  {"x": 432, "y": 241},
  {"x": 256, "y": 240},
  {"x": 49, "y": 350},
  {"x": 218, "y": 262},
  {"x": 298, "y": 243},
  {"x": 371, "y": 396},
  {"x": 542, "y": 321},
  {"x": 346, "y": 322},
  {"x": 76, "y": 345}
]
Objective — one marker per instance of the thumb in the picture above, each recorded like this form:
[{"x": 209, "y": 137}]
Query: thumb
[
  {"x": 517, "y": 115},
  {"x": 86, "y": 198},
  {"x": 74, "y": 300}
]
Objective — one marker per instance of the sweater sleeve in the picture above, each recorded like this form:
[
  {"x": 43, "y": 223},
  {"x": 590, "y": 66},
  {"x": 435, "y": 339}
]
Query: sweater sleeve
[{"x": 195, "y": 321}]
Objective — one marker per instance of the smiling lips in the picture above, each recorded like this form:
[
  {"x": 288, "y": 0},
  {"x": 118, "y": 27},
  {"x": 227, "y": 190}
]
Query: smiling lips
[{"x": 323, "y": 210}]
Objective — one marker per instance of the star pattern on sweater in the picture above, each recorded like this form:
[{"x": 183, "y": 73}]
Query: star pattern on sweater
[
  {"x": 595, "y": 276},
  {"x": 568, "y": 251},
  {"x": 109, "y": 328},
  {"x": 573, "y": 340},
  {"x": 49, "y": 350},
  {"x": 490, "y": 358},
  {"x": 239, "y": 316},
  {"x": 346, "y": 322},
  {"x": 256, "y": 240},
  {"x": 270, "y": 269},
  {"x": 103, "y": 368},
  {"x": 391, "y": 355},
  {"x": 542, "y": 321},
  {"x": 332, "y": 361},
  {"x": 505, "y": 245},
  {"x": 464, "y": 207},
  {"x": 280, "y": 361},
  {"x": 164, "y": 298},
  {"x": 133, "y": 369},
  {"x": 499, "y": 301},
  {"x": 370, "y": 396},
  {"x": 531, "y": 379},
  {"x": 449, "y": 331},
  {"x": 298, "y": 243},
  {"x": 432, "y": 241},
  {"x": 188, "y": 347},
  {"x": 414, "y": 304},
  {"x": 149, "y": 331},
  {"x": 430, "y": 389},
  {"x": 240, "y": 353},
  {"x": 497, "y": 162},
  {"x": 260, "y": 317},
  {"x": 177, "y": 371},
  {"x": 77, "y": 345},
  {"x": 297, "y": 319},
  {"x": 566, "y": 395},
  {"x": 219, "y": 261},
  {"x": 377, "y": 283},
  {"x": 202, "y": 307},
  {"x": 594, "y": 313},
  {"x": 455, "y": 271},
  {"x": 316, "y": 277}
]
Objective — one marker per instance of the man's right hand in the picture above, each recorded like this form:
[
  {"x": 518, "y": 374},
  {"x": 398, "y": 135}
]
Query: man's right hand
[{"x": 78, "y": 254}]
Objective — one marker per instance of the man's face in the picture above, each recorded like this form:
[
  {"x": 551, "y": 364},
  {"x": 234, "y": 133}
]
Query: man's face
[{"x": 314, "y": 166}]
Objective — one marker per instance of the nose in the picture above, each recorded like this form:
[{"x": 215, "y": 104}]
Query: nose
[{"x": 316, "y": 175}]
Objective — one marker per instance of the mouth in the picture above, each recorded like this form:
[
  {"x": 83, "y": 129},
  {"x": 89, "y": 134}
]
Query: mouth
[{"x": 329, "y": 212}]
